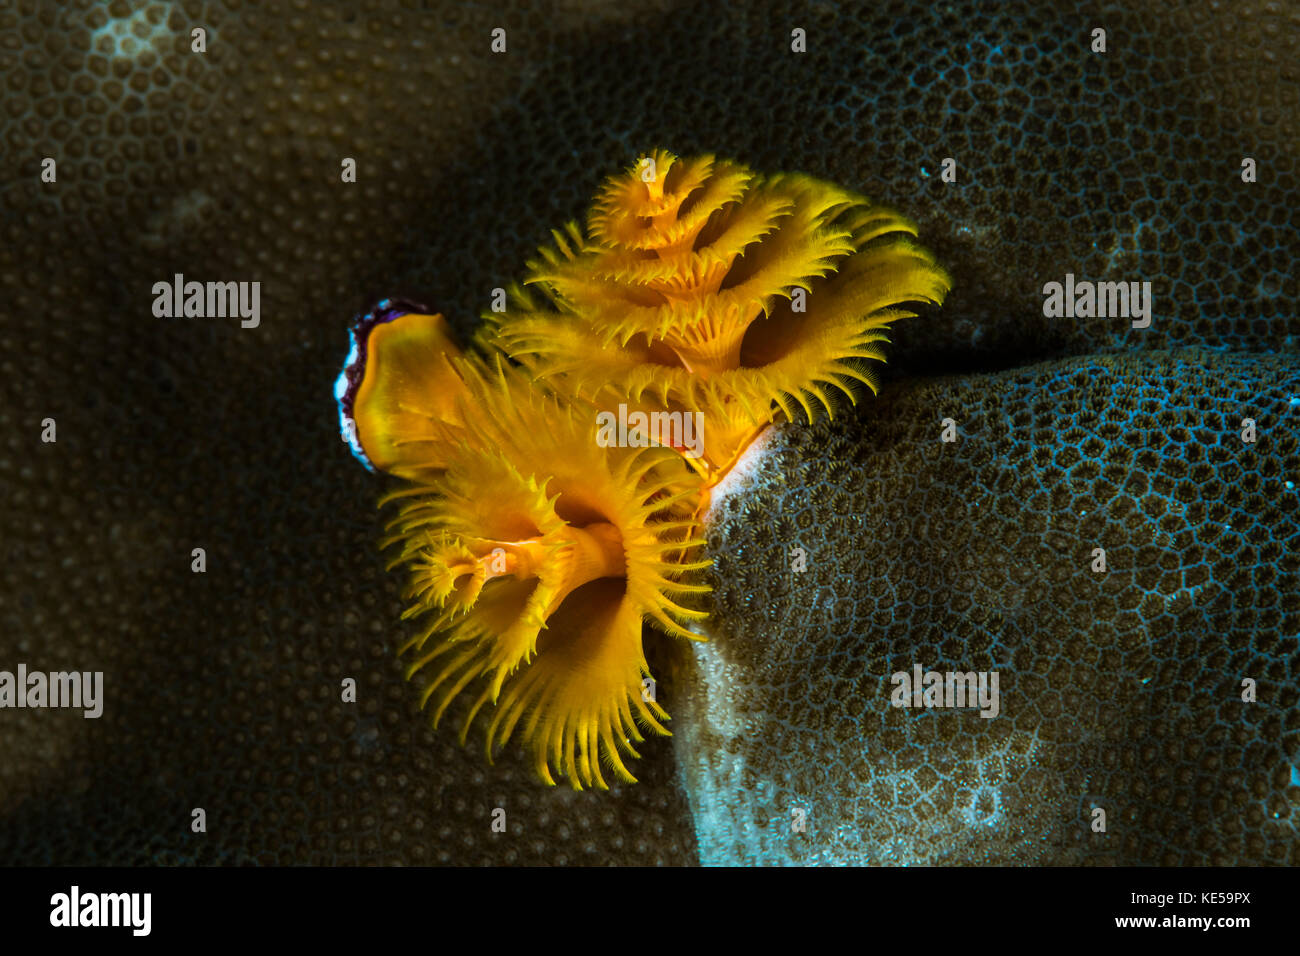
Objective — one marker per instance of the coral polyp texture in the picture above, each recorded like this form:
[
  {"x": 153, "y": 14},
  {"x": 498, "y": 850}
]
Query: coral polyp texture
[
  {"x": 538, "y": 537},
  {"x": 702, "y": 286},
  {"x": 1121, "y": 689}
]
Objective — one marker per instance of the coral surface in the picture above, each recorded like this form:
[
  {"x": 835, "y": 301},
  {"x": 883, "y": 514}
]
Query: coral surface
[{"x": 1119, "y": 689}]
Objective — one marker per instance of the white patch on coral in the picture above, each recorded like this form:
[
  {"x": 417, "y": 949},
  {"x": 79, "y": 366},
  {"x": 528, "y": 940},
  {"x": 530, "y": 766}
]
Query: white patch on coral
[
  {"x": 185, "y": 214},
  {"x": 726, "y": 827},
  {"x": 133, "y": 35},
  {"x": 738, "y": 480},
  {"x": 738, "y": 820},
  {"x": 985, "y": 808}
]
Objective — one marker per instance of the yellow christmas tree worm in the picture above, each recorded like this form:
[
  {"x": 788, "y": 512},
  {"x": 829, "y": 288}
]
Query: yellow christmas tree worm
[
  {"x": 540, "y": 529},
  {"x": 535, "y": 555},
  {"x": 701, "y": 286}
]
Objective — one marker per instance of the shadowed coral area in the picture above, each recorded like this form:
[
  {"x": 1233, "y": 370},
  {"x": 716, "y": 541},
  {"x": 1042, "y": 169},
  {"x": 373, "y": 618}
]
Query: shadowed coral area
[
  {"x": 223, "y": 689},
  {"x": 1120, "y": 690}
]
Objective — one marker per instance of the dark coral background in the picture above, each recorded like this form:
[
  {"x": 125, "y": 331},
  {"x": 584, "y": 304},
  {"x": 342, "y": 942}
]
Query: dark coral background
[{"x": 223, "y": 688}]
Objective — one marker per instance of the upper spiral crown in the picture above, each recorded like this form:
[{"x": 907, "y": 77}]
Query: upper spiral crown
[{"x": 717, "y": 290}]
